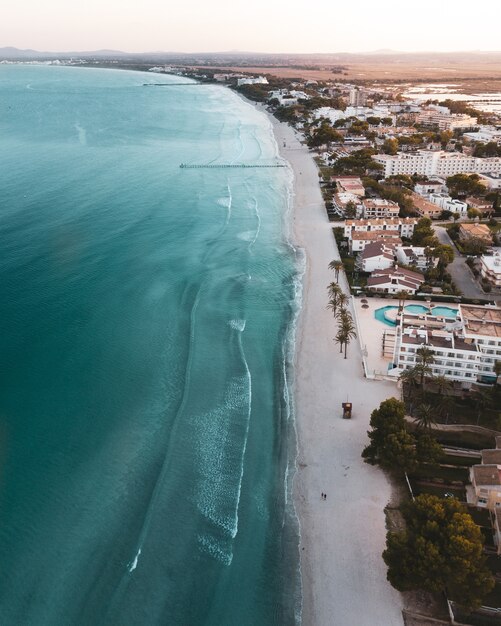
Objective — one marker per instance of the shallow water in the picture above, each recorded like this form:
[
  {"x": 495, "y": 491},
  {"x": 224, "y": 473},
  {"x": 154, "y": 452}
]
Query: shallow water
[{"x": 148, "y": 316}]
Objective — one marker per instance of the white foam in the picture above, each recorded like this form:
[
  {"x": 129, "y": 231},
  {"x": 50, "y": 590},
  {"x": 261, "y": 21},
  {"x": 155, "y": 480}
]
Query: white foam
[
  {"x": 215, "y": 549},
  {"x": 132, "y": 566},
  {"x": 82, "y": 134},
  {"x": 237, "y": 324}
]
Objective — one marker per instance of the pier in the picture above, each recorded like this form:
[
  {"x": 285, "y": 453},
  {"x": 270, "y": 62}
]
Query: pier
[{"x": 194, "y": 166}]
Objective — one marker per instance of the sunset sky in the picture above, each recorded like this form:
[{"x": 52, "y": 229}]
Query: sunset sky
[{"x": 250, "y": 25}]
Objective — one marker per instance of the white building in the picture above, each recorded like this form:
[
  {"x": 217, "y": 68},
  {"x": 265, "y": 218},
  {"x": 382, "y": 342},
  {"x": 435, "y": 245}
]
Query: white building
[
  {"x": 253, "y": 80},
  {"x": 357, "y": 97},
  {"x": 415, "y": 256},
  {"x": 446, "y": 203},
  {"x": 333, "y": 115},
  {"x": 376, "y": 255},
  {"x": 288, "y": 98},
  {"x": 493, "y": 181},
  {"x": 404, "y": 226},
  {"x": 393, "y": 280},
  {"x": 465, "y": 346},
  {"x": 436, "y": 163},
  {"x": 425, "y": 189},
  {"x": 377, "y": 208},
  {"x": 360, "y": 239},
  {"x": 490, "y": 268},
  {"x": 485, "y": 134},
  {"x": 445, "y": 121}
]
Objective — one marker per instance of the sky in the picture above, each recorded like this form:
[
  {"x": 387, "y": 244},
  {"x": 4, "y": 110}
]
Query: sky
[{"x": 299, "y": 26}]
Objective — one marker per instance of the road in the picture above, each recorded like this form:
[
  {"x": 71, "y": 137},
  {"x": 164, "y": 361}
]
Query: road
[{"x": 460, "y": 272}]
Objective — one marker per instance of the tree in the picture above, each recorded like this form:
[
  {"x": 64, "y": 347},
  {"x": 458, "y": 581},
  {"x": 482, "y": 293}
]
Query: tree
[
  {"x": 333, "y": 303},
  {"x": 346, "y": 329},
  {"x": 474, "y": 245},
  {"x": 425, "y": 418},
  {"x": 342, "y": 301},
  {"x": 441, "y": 549},
  {"x": 410, "y": 379},
  {"x": 462, "y": 185},
  {"x": 402, "y": 297},
  {"x": 424, "y": 361},
  {"x": 473, "y": 213},
  {"x": 444, "y": 253},
  {"x": 336, "y": 266},
  {"x": 443, "y": 384},
  {"x": 325, "y": 135},
  {"x": 428, "y": 450},
  {"x": 423, "y": 234},
  {"x": 391, "y": 446},
  {"x": 390, "y": 146}
]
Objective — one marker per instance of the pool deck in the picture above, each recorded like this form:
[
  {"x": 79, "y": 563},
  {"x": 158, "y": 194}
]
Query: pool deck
[
  {"x": 370, "y": 334},
  {"x": 371, "y": 330}
]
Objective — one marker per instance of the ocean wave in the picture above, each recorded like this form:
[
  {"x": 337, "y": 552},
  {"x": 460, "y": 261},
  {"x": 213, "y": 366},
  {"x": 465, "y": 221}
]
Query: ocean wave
[
  {"x": 215, "y": 549},
  {"x": 223, "y": 433},
  {"x": 132, "y": 566}
]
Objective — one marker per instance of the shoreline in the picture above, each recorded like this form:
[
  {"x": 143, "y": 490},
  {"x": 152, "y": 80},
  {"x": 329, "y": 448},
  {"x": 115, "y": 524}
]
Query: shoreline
[{"x": 343, "y": 576}]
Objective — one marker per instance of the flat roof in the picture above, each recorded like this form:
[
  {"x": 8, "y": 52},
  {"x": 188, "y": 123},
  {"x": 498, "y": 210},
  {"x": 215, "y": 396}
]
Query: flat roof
[{"x": 481, "y": 320}]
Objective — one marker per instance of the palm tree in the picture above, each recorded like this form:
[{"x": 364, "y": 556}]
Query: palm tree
[
  {"x": 349, "y": 334},
  {"x": 424, "y": 361},
  {"x": 402, "y": 297},
  {"x": 483, "y": 401},
  {"x": 340, "y": 338},
  {"x": 333, "y": 288},
  {"x": 346, "y": 329},
  {"x": 342, "y": 299},
  {"x": 443, "y": 384},
  {"x": 336, "y": 266},
  {"x": 411, "y": 378},
  {"x": 425, "y": 417},
  {"x": 333, "y": 304},
  {"x": 446, "y": 405}
]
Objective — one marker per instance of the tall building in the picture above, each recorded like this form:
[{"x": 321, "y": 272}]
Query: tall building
[
  {"x": 358, "y": 97},
  {"x": 436, "y": 163}
]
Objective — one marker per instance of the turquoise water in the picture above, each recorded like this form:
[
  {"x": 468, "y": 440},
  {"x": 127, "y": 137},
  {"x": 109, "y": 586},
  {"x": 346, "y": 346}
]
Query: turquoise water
[
  {"x": 147, "y": 327},
  {"x": 444, "y": 311},
  {"x": 417, "y": 308}
]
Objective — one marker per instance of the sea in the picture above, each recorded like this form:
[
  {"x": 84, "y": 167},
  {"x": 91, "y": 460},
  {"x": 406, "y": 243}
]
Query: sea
[{"x": 148, "y": 310}]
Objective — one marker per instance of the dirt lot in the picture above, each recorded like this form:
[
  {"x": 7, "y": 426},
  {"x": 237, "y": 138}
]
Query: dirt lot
[{"x": 474, "y": 76}]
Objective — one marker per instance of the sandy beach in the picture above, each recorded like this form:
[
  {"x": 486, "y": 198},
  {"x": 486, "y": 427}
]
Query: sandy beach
[{"x": 342, "y": 537}]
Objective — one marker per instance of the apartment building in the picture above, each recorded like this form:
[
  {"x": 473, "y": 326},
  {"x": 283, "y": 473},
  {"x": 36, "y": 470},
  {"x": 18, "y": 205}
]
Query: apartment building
[
  {"x": 371, "y": 208},
  {"x": 465, "y": 345},
  {"x": 445, "y": 121},
  {"x": 490, "y": 268},
  {"x": 482, "y": 326},
  {"x": 446, "y": 203},
  {"x": 436, "y": 163},
  {"x": 360, "y": 239},
  {"x": 377, "y": 255},
  {"x": 415, "y": 256},
  {"x": 361, "y": 232},
  {"x": 403, "y": 225}
]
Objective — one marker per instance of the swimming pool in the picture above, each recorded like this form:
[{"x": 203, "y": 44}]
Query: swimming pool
[{"x": 381, "y": 314}]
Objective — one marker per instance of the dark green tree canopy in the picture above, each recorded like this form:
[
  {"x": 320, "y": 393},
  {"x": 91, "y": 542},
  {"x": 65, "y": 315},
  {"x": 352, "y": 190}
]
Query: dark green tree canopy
[{"x": 440, "y": 550}]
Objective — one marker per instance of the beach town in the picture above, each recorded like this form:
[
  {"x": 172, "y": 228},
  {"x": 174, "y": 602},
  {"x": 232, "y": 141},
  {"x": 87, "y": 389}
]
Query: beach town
[
  {"x": 397, "y": 369},
  {"x": 397, "y": 207}
]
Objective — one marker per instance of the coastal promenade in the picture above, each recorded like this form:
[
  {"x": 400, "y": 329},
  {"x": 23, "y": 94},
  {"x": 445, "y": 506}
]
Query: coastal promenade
[{"x": 342, "y": 537}]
